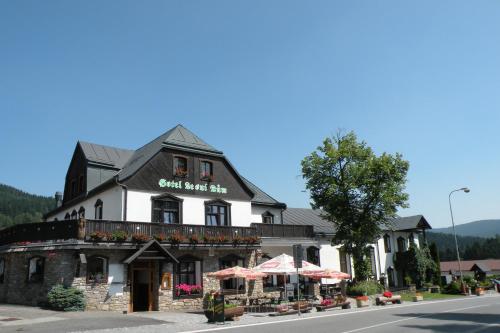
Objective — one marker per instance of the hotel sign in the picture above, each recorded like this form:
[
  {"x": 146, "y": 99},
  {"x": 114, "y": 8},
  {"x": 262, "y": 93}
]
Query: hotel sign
[{"x": 179, "y": 184}]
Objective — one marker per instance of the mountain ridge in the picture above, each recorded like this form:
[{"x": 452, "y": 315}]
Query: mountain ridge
[{"x": 481, "y": 228}]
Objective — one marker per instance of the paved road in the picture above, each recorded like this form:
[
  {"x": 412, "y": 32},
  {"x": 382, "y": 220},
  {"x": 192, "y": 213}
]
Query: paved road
[{"x": 472, "y": 314}]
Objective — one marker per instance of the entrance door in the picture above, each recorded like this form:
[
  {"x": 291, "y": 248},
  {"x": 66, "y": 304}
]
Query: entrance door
[{"x": 142, "y": 287}]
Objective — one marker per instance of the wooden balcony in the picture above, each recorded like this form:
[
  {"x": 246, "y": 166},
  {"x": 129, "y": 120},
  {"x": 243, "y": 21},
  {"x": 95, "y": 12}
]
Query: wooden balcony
[{"x": 107, "y": 231}]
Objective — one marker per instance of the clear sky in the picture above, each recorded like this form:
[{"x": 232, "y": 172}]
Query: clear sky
[{"x": 264, "y": 81}]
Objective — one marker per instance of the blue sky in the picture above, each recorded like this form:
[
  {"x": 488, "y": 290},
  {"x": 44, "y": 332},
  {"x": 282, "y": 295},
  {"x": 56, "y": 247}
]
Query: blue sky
[{"x": 264, "y": 81}]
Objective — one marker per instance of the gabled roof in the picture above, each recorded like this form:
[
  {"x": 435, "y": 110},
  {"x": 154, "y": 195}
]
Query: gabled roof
[
  {"x": 178, "y": 138},
  {"x": 109, "y": 156},
  {"x": 261, "y": 197},
  {"x": 307, "y": 216},
  {"x": 409, "y": 223},
  {"x": 151, "y": 248},
  {"x": 481, "y": 266}
]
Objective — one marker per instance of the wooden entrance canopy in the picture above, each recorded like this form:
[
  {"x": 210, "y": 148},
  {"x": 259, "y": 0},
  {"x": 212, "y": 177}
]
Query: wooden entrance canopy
[{"x": 152, "y": 250}]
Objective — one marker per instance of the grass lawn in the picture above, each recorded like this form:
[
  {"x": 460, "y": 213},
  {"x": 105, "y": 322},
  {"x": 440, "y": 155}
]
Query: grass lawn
[{"x": 429, "y": 296}]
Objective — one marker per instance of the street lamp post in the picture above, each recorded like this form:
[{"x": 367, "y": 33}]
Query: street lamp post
[{"x": 466, "y": 190}]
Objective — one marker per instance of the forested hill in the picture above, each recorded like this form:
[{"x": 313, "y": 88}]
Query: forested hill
[
  {"x": 471, "y": 248},
  {"x": 481, "y": 228},
  {"x": 17, "y": 206}
]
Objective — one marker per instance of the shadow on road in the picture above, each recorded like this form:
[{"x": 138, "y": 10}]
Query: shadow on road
[{"x": 484, "y": 322}]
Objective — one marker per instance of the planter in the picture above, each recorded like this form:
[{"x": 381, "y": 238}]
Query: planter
[
  {"x": 229, "y": 313},
  {"x": 435, "y": 289},
  {"x": 479, "y": 291},
  {"x": 418, "y": 298},
  {"x": 360, "y": 303},
  {"x": 304, "y": 306}
]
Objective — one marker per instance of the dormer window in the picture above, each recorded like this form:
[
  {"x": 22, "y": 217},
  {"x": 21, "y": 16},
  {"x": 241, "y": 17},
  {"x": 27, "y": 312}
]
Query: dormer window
[
  {"x": 67, "y": 216},
  {"x": 268, "y": 218},
  {"x": 74, "y": 214},
  {"x": 206, "y": 171},
  {"x": 180, "y": 166},
  {"x": 81, "y": 213}
]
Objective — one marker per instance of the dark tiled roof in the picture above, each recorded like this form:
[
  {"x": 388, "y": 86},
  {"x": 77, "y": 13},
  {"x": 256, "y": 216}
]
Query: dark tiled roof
[
  {"x": 178, "y": 137},
  {"x": 261, "y": 197},
  {"x": 409, "y": 223},
  {"x": 307, "y": 216},
  {"x": 110, "y": 156}
]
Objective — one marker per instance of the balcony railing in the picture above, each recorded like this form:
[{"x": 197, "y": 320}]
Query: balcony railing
[{"x": 87, "y": 230}]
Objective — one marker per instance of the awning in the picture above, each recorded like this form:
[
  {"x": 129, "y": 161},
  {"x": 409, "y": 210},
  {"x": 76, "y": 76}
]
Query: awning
[{"x": 152, "y": 250}]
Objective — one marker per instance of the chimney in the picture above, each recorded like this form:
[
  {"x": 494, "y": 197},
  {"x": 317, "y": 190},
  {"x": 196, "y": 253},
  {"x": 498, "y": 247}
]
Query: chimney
[{"x": 58, "y": 196}]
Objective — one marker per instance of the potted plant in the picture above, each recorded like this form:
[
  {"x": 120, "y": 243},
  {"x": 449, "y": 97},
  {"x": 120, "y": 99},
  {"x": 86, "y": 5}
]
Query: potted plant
[
  {"x": 160, "y": 237},
  {"x": 119, "y": 235},
  {"x": 207, "y": 177},
  {"x": 180, "y": 172},
  {"x": 176, "y": 238},
  {"x": 194, "y": 239},
  {"x": 98, "y": 236},
  {"x": 237, "y": 240},
  {"x": 479, "y": 291},
  {"x": 222, "y": 239},
  {"x": 418, "y": 297},
  {"x": 207, "y": 239},
  {"x": 140, "y": 238},
  {"x": 362, "y": 301}
]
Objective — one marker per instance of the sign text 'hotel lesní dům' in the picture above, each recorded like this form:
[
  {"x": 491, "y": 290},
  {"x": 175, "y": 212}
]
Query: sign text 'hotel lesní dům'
[{"x": 192, "y": 187}]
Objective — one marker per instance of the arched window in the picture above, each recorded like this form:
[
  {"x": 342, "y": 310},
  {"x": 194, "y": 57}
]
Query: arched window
[
  {"x": 35, "y": 269},
  {"x": 74, "y": 214},
  {"x": 188, "y": 277},
  {"x": 387, "y": 243},
  {"x": 97, "y": 270},
  {"x": 167, "y": 209},
  {"x": 67, "y": 216},
  {"x": 268, "y": 218},
  {"x": 313, "y": 255},
  {"x": 373, "y": 262},
  {"x": 2, "y": 269},
  {"x": 98, "y": 209},
  {"x": 217, "y": 213},
  {"x": 81, "y": 213},
  {"x": 401, "y": 244},
  {"x": 232, "y": 285}
]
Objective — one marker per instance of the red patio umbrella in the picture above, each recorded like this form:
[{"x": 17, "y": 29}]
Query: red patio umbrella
[{"x": 328, "y": 274}]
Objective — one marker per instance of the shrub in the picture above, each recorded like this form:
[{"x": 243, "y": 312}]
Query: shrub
[
  {"x": 66, "y": 298},
  {"x": 452, "y": 288},
  {"x": 365, "y": 288}
]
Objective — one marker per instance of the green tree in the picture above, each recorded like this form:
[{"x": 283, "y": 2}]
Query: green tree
[
  {"x": 436, "y": 274},
  {"x": 358, "y": 191}
]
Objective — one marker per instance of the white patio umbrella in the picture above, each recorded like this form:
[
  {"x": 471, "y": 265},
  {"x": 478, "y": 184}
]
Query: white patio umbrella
[{"x": 284, "y": 265}]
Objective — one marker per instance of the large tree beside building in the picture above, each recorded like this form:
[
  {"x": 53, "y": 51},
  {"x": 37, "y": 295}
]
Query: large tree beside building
[{"x": 358, "y": 191}]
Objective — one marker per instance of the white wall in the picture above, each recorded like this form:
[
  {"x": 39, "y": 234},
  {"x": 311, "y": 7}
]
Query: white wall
[
  {"x": 111, "y": 210},
  {"x": 193, "y": 209}
]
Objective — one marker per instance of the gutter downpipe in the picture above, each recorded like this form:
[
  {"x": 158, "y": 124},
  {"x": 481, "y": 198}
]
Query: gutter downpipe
[
  {"x": 379, "y": 266},
  {"x": 125, "y": 189}
]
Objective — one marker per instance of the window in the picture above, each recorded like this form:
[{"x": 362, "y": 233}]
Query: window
[
  {"x": 98, "y": 210},
  {"x": 401, "y": 244},
  {"x": 232, "y": 285},
  {"x": 188, "y": 277},
  {"x": 268, "y": 218},
  {"x": 206, "y": 171},
  {"x": 97, "y": 270},
  {"x": 411, "y": 238},
  {"x": 167, "y": 209},
  {"x": 80, "y": 184},
  {"x": 81, "y": 213},
  {"x": 67, "y": 216},
  {"x": 2, "y": 270},
  {"x": 35, "y": 269},
  {"x": 73, "y": 188},
  {"x": 387, "y": 243},
  {"x": 74, "y": 214},
  {"x": 373, "y": 262},
  {"x": 217, "y": 213},
  {"x": 180, "y": 166},
  {"x": 343, "y": 261},
  {"x": 313, "y": 255}
]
